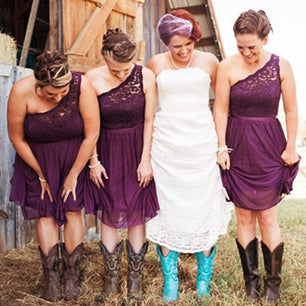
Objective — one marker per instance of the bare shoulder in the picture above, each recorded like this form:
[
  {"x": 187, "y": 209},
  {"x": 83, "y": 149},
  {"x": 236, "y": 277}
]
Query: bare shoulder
[
  {"x": 22, "y": 87},
  {"x": 157, "y": 63},
  {"x": 206, "y": 56},
  {"x": 95, "y": 72},
  {"x": 285, "y": 68},
  {"x": 229, "y": 62},
  {"x": 148, "y": 73}
]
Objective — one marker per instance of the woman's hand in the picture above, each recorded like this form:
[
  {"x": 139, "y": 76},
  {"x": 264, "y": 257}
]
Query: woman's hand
[
  {"x": 69, "y": 186},
  {"x": 45, "y": 188},
  {"x": 223, "y": 160},
  {"x": 95, "y": 175},
  {"x": 290, "y": 157},
  {"x": 144, "y": 173}
]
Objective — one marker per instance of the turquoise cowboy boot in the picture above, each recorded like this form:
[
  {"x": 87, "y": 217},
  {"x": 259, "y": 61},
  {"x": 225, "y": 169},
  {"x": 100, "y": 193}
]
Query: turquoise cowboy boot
[
  {"x": 169, "y": 269},
  {"x": 205, "y": 271}
]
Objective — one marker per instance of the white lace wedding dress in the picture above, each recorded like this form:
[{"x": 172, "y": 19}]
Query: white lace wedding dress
[{"x": 193, "y": 210}]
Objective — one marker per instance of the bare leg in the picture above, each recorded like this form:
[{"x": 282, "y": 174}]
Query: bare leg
[
  {"x": 74, "y": 230},
  {"x": 269, "y": 228},
  {"x": 246, "y": 226},
  {"x": 137, "y": 236},
  {"x": 48, "y": 235},
  {"x": 109, "y": 237}
]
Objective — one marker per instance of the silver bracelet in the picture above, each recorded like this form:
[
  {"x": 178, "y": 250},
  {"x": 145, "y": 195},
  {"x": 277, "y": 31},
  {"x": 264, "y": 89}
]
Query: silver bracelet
[
  {"x": 224, "y": 149},
  {"x": 42, "y": 180},
  {"x": 95, "y": 165}
]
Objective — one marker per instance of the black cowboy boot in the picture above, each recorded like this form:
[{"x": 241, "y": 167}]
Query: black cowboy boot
[
  {"x": 50, "y": 265},
  {"x": 72, "y": 263},
  {"x": 273, "y": 266},
  {"x": 135, "y": 264},
  {"x": 249, "y": 262},
  {"x": 112, "y": 263}
]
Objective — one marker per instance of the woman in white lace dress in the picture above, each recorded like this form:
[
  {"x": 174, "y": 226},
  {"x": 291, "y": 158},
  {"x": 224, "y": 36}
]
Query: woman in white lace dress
[{"x": 193, "y": 210}]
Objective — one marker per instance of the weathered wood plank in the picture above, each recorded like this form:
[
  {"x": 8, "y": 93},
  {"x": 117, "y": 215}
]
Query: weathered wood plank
[
  {"x": 83, "y": 64},
  {"x": 29, "y": 33},
  {"x": 125, "y": 7},
  {"x": 91, "y": 29},
  {"x": 10, "y": 234},
  {"x": 53, "y": 25}
]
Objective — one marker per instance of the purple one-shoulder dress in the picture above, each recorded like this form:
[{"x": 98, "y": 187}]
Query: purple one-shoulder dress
[
  {"x": 258, "y": 178},
  {"x": 122, "y": 203},
  {"x": 54, "y": 137}
]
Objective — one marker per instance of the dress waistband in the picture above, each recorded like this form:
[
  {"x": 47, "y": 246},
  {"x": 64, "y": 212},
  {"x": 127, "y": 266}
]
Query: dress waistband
[
  {"x": 136, "y": 127},
  {"x": 249, "y": 118}
]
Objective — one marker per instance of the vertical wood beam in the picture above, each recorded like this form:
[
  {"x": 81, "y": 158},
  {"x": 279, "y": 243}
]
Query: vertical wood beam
[
  {"x": 29, "y": 33},
  {"x": 53, "y": 25}
]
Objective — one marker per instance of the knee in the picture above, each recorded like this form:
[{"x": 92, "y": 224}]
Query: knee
[
  {"x": 74, "y": 215},
  {"x": 46, "y": 222},
  {"x": 267, "y": 219},
  {"x": 246, "y": 219}
]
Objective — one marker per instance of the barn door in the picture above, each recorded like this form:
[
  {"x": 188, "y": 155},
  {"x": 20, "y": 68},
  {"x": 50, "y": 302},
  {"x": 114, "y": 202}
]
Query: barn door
[{"x": 85, "y": 22}]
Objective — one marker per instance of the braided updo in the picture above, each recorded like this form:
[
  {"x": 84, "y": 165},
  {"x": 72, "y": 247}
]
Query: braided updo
[
  {"x": 252, "y": 22},
  {"x": 118, "y": 46},
  {"x": 52, "y": 68}
]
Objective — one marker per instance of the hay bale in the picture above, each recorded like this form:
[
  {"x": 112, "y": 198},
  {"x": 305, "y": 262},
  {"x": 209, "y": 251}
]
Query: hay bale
[{"x": 8, "y": 49}]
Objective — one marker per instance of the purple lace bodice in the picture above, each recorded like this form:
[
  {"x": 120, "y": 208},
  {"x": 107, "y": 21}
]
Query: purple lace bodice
[
  {"x": 258, "y": 94},
  {"x": 123, "y": 106},
  {"x": 60, "y": 123}
]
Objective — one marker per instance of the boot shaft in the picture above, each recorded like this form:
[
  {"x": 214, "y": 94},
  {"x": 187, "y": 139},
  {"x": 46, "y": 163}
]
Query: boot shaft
[
  {"x": 112, "y": 262},
  {"x": 135, "y": 267},
  {"x": 52, "y": 276},
  {"x": 273, "y": 267},
  {"x": 72, "y": 271},
  {"x": 249, "y": 262}
]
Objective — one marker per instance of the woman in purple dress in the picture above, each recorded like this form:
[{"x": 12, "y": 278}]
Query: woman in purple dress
[
  {"x": 53, "y": 124},
  {"x": 262, "y": 164},
  {"x": 121, "y": 164}
]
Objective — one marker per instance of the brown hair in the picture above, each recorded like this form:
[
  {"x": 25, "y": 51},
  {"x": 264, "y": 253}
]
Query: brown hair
[
  {"x": 118, "y": 46},
  {"x": 196, "y": 32},
  {"x": 52, "y": 68},
  {"x": 252, "y": 22}
]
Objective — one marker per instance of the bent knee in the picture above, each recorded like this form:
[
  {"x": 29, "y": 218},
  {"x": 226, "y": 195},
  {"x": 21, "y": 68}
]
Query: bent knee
[{"x": 74, "y": 215}]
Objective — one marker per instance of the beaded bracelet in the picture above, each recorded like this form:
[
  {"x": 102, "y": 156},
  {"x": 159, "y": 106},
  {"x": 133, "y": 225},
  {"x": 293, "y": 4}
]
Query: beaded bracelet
[
  {"x": 93, "y": 156},
  {"x": 224, "y": 149},
  {"x": 95, "y": 165},
  {"x": 42, "y": 180}
]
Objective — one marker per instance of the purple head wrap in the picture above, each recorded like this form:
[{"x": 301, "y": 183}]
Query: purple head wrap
[{"x": 170, "y": 25}]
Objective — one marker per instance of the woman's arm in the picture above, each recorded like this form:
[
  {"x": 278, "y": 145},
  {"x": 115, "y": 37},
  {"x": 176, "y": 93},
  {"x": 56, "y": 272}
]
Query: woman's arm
[
  {"x": 288, "y": 87},
  {"x": 144, "y": 171},
  {"x": 220, "y": 113},
  {"x": 89, "y": 110},
  {"x": 16, "y": 113}
]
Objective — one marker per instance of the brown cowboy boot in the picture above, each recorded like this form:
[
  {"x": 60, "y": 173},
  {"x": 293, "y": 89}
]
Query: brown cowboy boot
[
  {"x": 71, "y": 269},
  {"x": 135, "y": 263},
  {"x": 50, "y": 265},
  {"x": 273, "y": 266},
  {"x": 249, "y": 262},
  {"x": 112, "y": 263}
]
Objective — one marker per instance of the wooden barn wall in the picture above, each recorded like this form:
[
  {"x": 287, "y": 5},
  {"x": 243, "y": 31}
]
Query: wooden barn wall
[
  {"x": 84, "y": 24},
  {"x": 14, "y": 232},
  {"x": 152, "y": 11}
]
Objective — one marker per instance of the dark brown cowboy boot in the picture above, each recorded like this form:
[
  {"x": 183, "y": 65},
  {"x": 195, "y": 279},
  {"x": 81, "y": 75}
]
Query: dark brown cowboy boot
[
  {"x": 71, "y": 271},
  {"x": 135, "y": 263},
  {"x": 50, "y": 265},
  {"x": 112, "y": 263},
  {"x": 273, "y": 266},
  {"x": 249, "y": 262}
]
